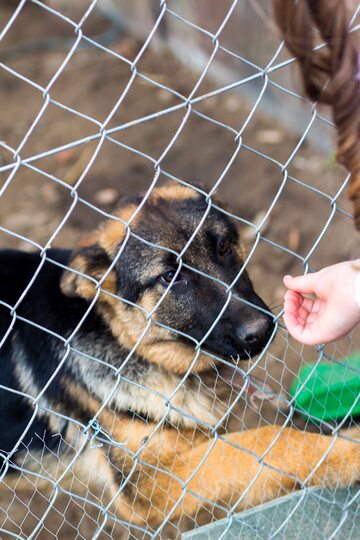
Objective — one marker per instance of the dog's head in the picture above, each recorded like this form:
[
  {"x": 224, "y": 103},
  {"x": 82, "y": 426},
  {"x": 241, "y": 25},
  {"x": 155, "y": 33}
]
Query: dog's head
[{"x": 169, "y": 304}]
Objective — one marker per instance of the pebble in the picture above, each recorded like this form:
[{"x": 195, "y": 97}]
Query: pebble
[
  {"x": 106, "y": 196},
  {"x": 232, "y": 104},
  {"x": 270, "y": 136},
  {"x": 164, "y": 96}
]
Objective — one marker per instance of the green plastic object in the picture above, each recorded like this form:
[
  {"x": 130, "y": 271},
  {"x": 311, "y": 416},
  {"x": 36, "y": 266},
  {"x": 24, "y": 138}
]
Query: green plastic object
[{"x": 328, "y": 392}]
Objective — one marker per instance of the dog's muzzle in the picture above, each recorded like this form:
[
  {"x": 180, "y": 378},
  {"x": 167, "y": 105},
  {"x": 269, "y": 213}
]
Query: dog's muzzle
[{"x": 256, "y": 332}]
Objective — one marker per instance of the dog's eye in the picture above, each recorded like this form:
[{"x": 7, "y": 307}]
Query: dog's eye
[
  {"x": 223, "y": 247},
  {"x": 168, "y": 276}
]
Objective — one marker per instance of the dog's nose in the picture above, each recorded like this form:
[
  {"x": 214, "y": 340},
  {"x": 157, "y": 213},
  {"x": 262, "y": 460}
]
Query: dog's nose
[{"x": 254, "y": 332}]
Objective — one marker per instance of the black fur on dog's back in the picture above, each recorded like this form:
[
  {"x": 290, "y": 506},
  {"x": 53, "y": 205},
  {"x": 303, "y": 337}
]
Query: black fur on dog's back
[{"x": 16, "y": 271}]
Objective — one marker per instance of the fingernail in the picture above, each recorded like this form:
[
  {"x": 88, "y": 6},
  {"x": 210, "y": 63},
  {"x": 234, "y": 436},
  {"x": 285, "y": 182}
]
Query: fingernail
[{"x": 288, "y": 276}]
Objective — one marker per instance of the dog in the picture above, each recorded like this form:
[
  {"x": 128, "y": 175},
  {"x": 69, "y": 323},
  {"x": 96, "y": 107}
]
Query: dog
[{"x": 137, "y": 328}]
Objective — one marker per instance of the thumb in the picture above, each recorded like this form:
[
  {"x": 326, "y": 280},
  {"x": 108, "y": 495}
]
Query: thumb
[{"x": 301, "y": 284}]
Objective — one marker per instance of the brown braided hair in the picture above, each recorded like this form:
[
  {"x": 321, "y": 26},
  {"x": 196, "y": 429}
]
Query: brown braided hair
[{"x": 330, "y": 75}]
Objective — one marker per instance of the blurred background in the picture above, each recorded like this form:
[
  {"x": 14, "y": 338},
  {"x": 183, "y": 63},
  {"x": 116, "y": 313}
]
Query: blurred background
[{"x": 69, "y": 67}]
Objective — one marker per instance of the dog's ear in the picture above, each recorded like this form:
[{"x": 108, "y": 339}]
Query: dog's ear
[
  {"x": 93, "y": 262},
  {"x": 96, "y": 252}
]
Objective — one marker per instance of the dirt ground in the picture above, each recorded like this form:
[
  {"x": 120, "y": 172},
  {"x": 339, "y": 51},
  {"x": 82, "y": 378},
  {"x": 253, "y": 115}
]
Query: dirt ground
[{"x": 32, "y": 206}]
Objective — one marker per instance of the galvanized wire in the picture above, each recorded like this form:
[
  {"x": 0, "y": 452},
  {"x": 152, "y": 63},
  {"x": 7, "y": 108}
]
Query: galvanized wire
[{"x": 92, "y": 434}]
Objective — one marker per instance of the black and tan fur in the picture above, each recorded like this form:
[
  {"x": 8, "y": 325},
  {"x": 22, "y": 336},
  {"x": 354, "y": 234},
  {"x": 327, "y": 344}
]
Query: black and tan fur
[{"x": 137, "y": 395}]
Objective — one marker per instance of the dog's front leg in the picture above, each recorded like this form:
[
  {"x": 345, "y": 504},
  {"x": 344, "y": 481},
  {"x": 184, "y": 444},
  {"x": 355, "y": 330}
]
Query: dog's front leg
[
  {"x": 270, "y": 462},
  {"x": 247, "y": 469}
]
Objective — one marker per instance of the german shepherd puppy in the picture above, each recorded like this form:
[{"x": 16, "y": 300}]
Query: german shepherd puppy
[{"x": 116, "y": 325}]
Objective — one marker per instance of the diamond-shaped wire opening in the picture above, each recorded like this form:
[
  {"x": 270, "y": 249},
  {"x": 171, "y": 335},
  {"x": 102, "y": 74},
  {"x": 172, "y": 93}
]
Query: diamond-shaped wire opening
[{"x": 135, "y": 118}]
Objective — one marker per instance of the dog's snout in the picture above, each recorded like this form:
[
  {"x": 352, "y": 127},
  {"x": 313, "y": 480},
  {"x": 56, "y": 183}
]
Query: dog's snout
[{"x": 254, "y": 332}]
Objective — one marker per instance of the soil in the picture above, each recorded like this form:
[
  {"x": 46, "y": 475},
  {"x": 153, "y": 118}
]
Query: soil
[{"x": 33, "y": 206}]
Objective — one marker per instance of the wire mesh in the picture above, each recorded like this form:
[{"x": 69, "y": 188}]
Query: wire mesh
[{"x": 68, "y": 485}]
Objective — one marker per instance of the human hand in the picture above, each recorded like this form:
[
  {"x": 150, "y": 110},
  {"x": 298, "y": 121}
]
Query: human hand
[{"x": 332, "y": 314}]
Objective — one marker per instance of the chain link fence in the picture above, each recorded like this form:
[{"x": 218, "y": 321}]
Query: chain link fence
[{"x": 83, "y": 100}]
